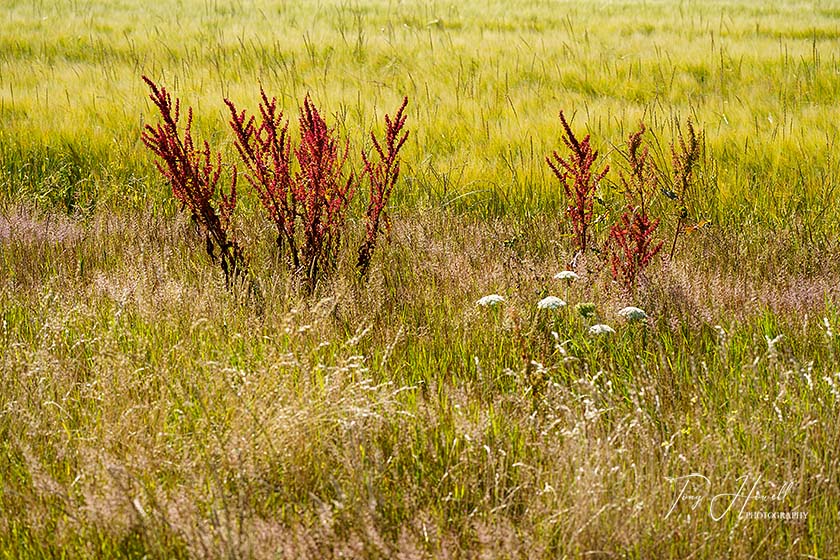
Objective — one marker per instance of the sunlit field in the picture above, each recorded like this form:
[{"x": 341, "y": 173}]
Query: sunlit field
[{"x": 149, "y": 408}]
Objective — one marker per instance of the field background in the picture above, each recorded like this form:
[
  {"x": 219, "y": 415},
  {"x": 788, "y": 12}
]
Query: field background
[{"x": 146, "y": 410}]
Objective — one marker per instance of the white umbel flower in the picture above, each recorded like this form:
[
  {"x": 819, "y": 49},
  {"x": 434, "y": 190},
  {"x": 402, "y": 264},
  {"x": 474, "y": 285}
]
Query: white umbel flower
[
  {"x": 600, "y": 328},
  {"x": 551, "y": 302},
  {"x": 633, "y": 314},
  {"x": 771, "y": 345},
  {"x": 566, "y": 275},
  {"x": 490, "y": 301}
]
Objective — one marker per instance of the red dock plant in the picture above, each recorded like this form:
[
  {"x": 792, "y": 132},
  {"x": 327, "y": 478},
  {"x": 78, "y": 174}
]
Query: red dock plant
[
  {"x": 194, "y": 174},
  {"x": 314, "y": 197},
  {"x": 631, "y": 240},
  {"x": 308, "y": 203},
  {"x": 266, "y": 152},
  {"x": 321, "y": 190},
  {"x": 382, "y": 175},
  {"x": 575, "y": 173}
]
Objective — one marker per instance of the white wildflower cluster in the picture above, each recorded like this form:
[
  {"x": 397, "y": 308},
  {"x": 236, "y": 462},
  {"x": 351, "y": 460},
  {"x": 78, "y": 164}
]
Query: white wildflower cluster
[
  {"x": 567, "y": 275},
  {"x": 490, "y": 301},
  {"x": 633, "y": 314},
  {"x": 829, "y": 333},
  {"x": 772, "y": 352},
  {"x": 601, "y": 329},
  {"x": 551, "y": 302},
  {"x": 587, "y": 310}
]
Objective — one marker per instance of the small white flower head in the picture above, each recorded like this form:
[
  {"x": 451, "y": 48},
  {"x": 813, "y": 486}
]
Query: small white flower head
[
  {"x": 551, "y": 302},
  {"x": 600, "y": 328},
  {"x": 490, "y": 301},
  {"x": 771, "y": 345},
  {"x": 828, "y": 332},
  {"x": 566, "y": 275},
  {"x": 633, "y": 314}
]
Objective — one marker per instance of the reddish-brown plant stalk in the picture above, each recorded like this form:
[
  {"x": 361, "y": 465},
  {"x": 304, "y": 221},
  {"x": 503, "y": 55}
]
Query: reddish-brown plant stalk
[
  {"x": 579, "y": 182},
  {"x": 321, "y": 190},
  {"x": 632, "y": 244},
  {"x": 642, "y": 183},
  {"x": 382, "y": 175},
  {"x": 194, "y": 175},
  {"x": 265, "y": 149},
  {"x": 683, "y": 160}
]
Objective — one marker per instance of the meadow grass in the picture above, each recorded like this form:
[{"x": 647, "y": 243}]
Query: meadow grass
[{"x": 149, "y": 411}]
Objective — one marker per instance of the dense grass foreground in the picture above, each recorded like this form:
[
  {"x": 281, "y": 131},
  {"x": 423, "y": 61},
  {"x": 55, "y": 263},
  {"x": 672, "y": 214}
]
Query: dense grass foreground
[{"x": 146, "y": 410}]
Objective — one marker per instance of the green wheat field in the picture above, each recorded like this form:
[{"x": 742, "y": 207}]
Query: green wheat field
[{"x": 149, "y": 411}]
